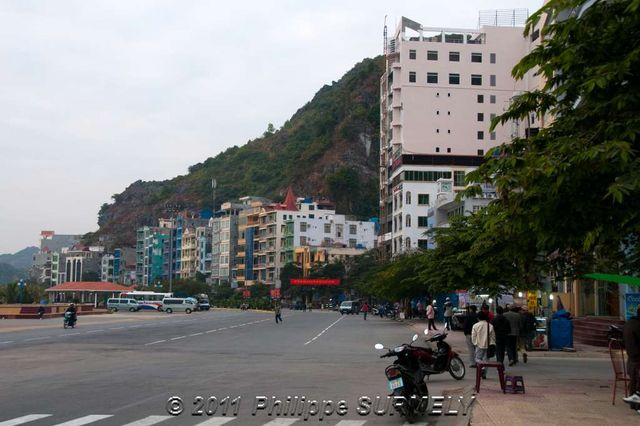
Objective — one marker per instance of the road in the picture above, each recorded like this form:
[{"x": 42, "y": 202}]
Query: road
[{"x": 123, "y": 368}]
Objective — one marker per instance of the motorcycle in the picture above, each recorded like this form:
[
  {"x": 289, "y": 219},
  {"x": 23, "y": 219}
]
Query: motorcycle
[
  {"x": 442, "y": 359},
  {"x": 405, "y": 378},
  {"x": 69, "y": 320}
]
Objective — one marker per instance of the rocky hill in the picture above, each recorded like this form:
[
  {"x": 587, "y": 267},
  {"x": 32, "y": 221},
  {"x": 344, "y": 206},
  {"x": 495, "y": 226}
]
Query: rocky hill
[{"x": 328, "y": 147}]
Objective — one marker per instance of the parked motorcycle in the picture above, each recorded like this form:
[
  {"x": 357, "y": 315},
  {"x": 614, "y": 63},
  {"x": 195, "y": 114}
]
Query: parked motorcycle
[
  {"x": 442, "y": 359},
  {"x": 406, "y": 378},
  {"x": 69, "y": 320}
]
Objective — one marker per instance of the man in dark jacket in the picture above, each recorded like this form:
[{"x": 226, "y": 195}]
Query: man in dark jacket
[
  {"x": 469, "y": 321},
  {"x": 502, "y": 329},
  {"x": 512, "y": 340},
  {"x": 632, "y": 346}
]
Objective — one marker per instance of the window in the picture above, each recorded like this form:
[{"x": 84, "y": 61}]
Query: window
[
  {"x": 408, "y": 197},
  {"x": 303, "y": 226},
  {"x": 407, "y": 242},
  {"x": 492, "y": 80},
  {"x": 481, "y": 152},
  {"x": 412, "y": 76},
  {"x": 454, "y": 56},
  {"x": 428, "y": 176},
  {"x": 353, "y": 229},
  {"x": 492, "y": 58},
  {"x": 437, "y": 112},
  {"x": 422, "y": 221},
  {"x": 327, "y": 228},
  {"x": 412, "y": 54},
  {"x": 480, "y": 116},
  {"x": 437, "y": 130},
  {"x": 432, "y": 55},
  {"x": 480, "y": 135},
  {"x": 480, "y": 99},
  {"x": 492, "y": 136},
  {"x": 432, "y": 77},
  {"x": 476, "y": 80},
  {"x": 437, "y": 149},
  {"x": 458, "y": 178},
  {"x": 423, "y": 199},
  {"x": 476, "y": 57},
  {"x": 492, "y": 99},
  {"x": 408, "y": 221},
  {"x": 454, "y": 78},
  {"x": 449, "y": 131},
  {"x": 423, "y": 244},
  {"x": 352, "y": 243},
  {"x": 303, "y": 240},
  {"x": 448, "y": 149},
  {"x": 339, "y": 229}
]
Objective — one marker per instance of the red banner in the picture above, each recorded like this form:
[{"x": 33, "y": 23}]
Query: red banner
[
  {"x": 275, "y": 293},
  {"x": 306, "y": 281},
  {"x": 246, "y": 293}
]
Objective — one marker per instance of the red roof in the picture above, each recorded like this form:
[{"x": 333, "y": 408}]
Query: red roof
[
  {"x": 95, "y": 286},
  {"x": 290, "y": 201}
]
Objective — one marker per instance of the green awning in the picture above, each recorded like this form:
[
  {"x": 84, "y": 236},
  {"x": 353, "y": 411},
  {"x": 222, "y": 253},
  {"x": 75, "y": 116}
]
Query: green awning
[{"x": 621, "y": 279}]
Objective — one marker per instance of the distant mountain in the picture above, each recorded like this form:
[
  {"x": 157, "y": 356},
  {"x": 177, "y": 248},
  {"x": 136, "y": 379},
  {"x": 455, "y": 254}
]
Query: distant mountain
[
  {"x": 329, "y": 147},
  {"x": 20, "y": 260},
  {"x": 9, "y": 274}
]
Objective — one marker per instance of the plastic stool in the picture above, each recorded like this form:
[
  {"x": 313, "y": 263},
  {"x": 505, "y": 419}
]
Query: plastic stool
[
  {"x": 489, "y": 364},
  {"x": 514, "y": 384}
]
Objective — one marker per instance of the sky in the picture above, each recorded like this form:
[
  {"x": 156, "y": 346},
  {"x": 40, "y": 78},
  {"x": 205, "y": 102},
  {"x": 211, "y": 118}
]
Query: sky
[{"x": 95, "y": 95}]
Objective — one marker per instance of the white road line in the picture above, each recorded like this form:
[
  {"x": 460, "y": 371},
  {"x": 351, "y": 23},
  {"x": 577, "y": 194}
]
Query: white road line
[
  {"x": 147, "y": 421},
  {"x": 36, "y": 338},
  {"x": 196, "y": 334},
  {"x": 323, "y": 331},
  {"x": 281, "y": 422},
  {"x": 350, "y": 423},
  {"x": 223, "y": 328},
  {"x": 118, "y": 328},
  {"x": 94, "y": 331},
  {"x": 85, "y": 420},
  {"x": 216, "y": 421},
  {"x": 178, "y": 338},
  {"x": 24, "y": 419},
  {"x": 6, "y": 342},
  {"x": 210, "y": 331},
  {"x": 156, "y": 342}
]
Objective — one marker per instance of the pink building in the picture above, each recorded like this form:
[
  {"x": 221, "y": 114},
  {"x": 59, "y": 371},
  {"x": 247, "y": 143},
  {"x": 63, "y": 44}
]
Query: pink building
[{"x": 441, "y": 88}]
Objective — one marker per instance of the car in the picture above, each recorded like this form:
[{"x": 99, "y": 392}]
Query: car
[
  {"x": 349, "y": 307},
  {"x": 179, "y": 304},
  {"x": 115, "y": 304}
]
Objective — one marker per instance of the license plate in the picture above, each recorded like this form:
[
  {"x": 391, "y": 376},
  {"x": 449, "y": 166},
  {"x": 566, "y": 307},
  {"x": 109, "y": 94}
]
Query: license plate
[{"x": 395, "y": 383}]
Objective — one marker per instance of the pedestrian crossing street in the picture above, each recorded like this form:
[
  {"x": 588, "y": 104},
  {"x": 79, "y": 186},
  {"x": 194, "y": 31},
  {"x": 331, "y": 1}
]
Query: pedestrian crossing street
[{"x": 49, "y": 419}]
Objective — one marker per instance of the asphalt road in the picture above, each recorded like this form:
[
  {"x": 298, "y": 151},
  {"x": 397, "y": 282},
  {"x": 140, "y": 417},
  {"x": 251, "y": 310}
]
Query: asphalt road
[{"x": 123, "y": 368}]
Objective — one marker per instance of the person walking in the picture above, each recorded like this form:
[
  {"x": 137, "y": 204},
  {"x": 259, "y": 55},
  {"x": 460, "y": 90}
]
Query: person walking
[
  {"x": 420, "y": 307},
  {"x": 631, "y": 336},
  {"x": 365, "y": 309},
  {"x": 469, "y": 321},
  {"x": 482, "y": 336},
  {"x": 448, "y": 313},
  {"x": 502, "y": 330},
  {"x": 431, "y": 317},
  {"x": 278, "y": 311},
  {"x": 512, "y": 339},
  {"x": 528, "y": 332}
]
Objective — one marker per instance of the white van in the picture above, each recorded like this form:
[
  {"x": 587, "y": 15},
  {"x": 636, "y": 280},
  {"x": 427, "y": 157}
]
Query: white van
[
  {"x": 179, "y": 304},
  {"x": 115, "y": 304}
]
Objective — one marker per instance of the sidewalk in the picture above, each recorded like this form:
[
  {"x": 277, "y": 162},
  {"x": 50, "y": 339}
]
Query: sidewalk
[{"x": 553, "y": 396}]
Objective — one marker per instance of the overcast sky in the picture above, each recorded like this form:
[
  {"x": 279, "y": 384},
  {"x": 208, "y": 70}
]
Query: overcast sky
[{"x": 95, "y": 95}]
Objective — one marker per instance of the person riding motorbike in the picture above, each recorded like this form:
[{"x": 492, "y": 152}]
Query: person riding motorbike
[{"x": 72, "y": 309}]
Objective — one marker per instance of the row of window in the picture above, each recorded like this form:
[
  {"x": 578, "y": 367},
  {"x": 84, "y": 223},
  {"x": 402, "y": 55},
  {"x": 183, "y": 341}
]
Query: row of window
[
  {"x": 353, "y": 229},
  {"x": 432, "y": 55},
  {"x": 454, "y": 78},
  {"x": 397, "y": 222},
  {"x": 423, "y": 199}
]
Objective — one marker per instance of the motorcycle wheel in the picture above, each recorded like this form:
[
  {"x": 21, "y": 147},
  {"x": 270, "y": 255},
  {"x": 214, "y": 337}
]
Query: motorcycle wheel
[{"x": 456, "y": 368}]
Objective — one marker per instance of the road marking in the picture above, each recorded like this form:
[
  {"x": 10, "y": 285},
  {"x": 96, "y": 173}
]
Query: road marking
[
  {"x": 147, "y": 421},
  {"x": 24, "y": 419},
  {"x": 216, "y": 421},
  {"x": 281, "y": 422},
  {"x": 94, "y": 331},
  {"x": 85, "y": 420},
  {"x": 153, "y": 343},
  {"x": 223, "y": 328},
  {"x": 196, "y": 334},
  {"x": 118, "y": 328},
  {"x": 211, "y": 331},
  {"x": 6, "y": 342},
  {"x": 323, "y": 331},
  {"x": 178, "y": 338},
  {"x": 36, "y": 338},
  {"x": 351, "y": 423}
]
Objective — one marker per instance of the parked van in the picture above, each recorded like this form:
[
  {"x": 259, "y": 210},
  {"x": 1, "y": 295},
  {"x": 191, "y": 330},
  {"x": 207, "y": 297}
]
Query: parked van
[
  {"x": 179, "y": 304},
  {"x": 115, "y": 304}
]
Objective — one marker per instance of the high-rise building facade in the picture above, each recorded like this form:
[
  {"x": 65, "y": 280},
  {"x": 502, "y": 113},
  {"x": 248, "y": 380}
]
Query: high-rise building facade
[{"x": 440, "y": 90}]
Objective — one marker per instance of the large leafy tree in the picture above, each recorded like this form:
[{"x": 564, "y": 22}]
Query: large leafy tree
[{"x": 575, "y": 186}]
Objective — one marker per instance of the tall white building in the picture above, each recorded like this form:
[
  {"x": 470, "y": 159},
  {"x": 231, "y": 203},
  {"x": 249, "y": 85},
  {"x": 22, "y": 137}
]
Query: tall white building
[{"x": 439, "y": 92}]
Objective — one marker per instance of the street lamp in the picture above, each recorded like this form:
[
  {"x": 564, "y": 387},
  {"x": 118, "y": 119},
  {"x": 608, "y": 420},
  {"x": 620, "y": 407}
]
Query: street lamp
[{"x": 21, "y": 286}]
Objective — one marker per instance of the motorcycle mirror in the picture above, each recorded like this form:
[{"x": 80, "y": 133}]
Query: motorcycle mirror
[
  {"x": 415, "y": 337},
  {"x": 379, "y": 346},
  {"x": 426, "y": 331}
]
